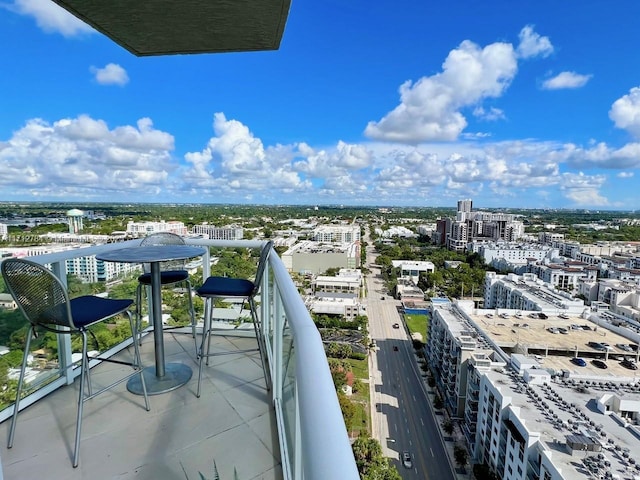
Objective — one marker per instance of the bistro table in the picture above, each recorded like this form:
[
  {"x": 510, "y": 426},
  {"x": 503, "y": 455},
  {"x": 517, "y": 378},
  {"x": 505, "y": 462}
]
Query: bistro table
[{"x": 165, "y": 376}]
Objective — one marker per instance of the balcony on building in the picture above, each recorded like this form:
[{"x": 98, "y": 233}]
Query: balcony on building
[{"x": 293, "y": 431}]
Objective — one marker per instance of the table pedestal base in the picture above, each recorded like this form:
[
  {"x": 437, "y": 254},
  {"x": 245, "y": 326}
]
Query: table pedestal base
[{"x": 176, "y": 375}]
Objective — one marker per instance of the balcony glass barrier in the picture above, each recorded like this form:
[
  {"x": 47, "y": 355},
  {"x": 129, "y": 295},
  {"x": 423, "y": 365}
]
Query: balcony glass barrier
[{"x": 314, "y": 444}]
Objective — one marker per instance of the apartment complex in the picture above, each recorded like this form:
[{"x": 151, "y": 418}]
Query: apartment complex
[
  {"x": 232, "y": 232},
  {"x": 528, "y": 293},
  {"x": 142, "y": 229},
  {"x": 336, "y": 233},
  {"x": 468, "y": 226},
  {"x": 315, "y": 258},
  {"x": 531, "y": 416}
]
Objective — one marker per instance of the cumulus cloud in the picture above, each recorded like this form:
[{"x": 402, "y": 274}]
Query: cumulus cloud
[
  {"x": 625, "y": 112},
  {"x": 532, "y": 44},
  {"x": 111, "y": 74},
  {"x": 599, "y": 155},
  {"x": 566, "y": 80},
  {"x": 235, "y": 162},
  {"x": 50, "y": 17},
  {"x": 429, "y": 109},
  {"x": 82, "y": 158},
  {"x": 583, "y": 189}
]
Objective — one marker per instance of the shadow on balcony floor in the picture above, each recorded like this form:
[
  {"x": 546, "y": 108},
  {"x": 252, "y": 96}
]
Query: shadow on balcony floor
[{"x": 233, "y": 424}]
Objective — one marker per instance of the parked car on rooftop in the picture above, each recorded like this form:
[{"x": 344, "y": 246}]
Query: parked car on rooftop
[
  {"x": 599, "y": 363},
  {"x": 579, "y": 361}
]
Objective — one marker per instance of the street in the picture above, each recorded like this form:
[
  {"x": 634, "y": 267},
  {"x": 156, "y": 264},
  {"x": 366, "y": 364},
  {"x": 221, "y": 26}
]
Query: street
[{"x": 403, "y": 419}]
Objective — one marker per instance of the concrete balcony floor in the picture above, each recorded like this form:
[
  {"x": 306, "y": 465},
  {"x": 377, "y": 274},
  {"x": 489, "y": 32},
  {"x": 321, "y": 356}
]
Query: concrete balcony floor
[{"x": 232, "y": 424}]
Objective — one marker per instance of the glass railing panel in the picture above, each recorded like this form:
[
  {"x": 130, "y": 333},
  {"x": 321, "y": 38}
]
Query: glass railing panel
[{"x": 289, "y": 404}]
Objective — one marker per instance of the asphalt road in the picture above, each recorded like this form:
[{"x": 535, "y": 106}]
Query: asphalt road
[{"x": 403, "y": 419}]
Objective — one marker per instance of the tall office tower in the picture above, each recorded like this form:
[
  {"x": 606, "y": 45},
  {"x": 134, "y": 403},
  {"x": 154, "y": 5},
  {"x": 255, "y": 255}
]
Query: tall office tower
[{"x": 465, "y": 205}]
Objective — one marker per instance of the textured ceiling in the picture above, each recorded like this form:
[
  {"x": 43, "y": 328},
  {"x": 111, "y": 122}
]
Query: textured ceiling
[{"x": 163, "y": 27}]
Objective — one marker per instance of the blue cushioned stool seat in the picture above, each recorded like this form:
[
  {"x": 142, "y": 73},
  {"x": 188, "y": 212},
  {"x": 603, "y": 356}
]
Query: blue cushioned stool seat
[
  {"x": 221, "y": 286},
  {"x": 89, "y": 309},
  {"x": 166, "y": 278}
]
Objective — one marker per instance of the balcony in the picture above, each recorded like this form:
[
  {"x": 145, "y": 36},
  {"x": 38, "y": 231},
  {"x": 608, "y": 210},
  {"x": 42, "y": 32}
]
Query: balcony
[{"x": 294, "y": 431}]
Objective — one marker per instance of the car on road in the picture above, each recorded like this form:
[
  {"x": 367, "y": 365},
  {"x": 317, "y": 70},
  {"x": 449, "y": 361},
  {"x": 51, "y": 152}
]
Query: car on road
[
  {"x": 396, "y": 325},
  {"x": 599, "y": 363},
  {"x": 406, "y": 459},
  {"x": 395, "y": 348},
  {"x": 579, "y": 361},
  {"x": 630, "y": 364}
]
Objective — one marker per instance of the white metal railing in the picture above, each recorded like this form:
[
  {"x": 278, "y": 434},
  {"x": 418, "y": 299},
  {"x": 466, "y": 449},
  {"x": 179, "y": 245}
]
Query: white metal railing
[{"x": 314, "y": 444}]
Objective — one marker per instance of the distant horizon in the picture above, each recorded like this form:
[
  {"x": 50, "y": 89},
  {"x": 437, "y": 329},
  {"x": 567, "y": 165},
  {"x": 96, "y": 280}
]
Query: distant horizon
[
  {"x": 310, "y": 206},
  {"x": 396, "y": 104}
]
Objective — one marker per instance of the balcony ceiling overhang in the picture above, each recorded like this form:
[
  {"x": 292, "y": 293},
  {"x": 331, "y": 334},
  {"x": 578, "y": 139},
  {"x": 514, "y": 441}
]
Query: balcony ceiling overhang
[{"x": 165, "y": 27}]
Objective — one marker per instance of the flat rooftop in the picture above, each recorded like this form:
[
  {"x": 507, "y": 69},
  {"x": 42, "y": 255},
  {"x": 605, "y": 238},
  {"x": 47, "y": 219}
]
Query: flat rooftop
[
  {"x": 533, "y": 336},
  {"x": 561, "y": 408},
  {"x": 232, "y": 424}
]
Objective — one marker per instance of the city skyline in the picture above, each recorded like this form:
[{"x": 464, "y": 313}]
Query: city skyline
[{"x": 392, "y": 104}]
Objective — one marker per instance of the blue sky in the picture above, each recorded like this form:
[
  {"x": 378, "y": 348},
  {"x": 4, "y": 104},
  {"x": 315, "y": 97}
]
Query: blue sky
[{"x": 511, "y": 103}]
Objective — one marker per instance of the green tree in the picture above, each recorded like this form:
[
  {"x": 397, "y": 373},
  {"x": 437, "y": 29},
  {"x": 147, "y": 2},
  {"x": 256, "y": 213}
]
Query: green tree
[
  {"x": 372, "y": 465},
  {"x": 460, "y": 455}
]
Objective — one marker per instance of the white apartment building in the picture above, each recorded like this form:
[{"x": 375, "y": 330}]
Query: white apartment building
[
  {"x": 346, "y": 305},
  {"x": 91, "y": 270},
  {"x": 88, "y": 269},
  {"x": 7, "y": 302},
  {"x": 565, "y": 276},
  {"x": 4, "y": 231},
  {"x": 522, "y": 423},
  {"x": 232, "y": 232},
  {"x": 550, "y": 237},
  {"x": 395, "y": 231},
  {"x": 512, "y": 253},
  {"x": 527, "y": 292},
  {"x": 348, "y": 281},
  {"x": 142, "y": 229},
  {"x": 411, "y": 269},
  {"x": 336, "y": 233},
  {"x": 314, "y": 257}
]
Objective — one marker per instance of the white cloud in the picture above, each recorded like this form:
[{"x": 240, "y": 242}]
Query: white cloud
[
  {"x": 490, "y": 115},
  {"x": 583, "y": 189},
  {"x": 82, "y": 157},
  {"x": 625, "y": 112},
  {"x": 532, "y": 44},
  {"x": 599, "y": 155},
  {"x": 111, "y": 74},
  {"x": 430, "y": 108},
  {"x": 566, "y": 80},
  {"x": 51, "y": 18},
  {"x": 235, "y": 162}
]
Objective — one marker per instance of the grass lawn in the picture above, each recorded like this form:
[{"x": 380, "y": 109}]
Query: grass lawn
[
  {"x": 417, "y": 323},
  {"x": 361, "y": 399}
]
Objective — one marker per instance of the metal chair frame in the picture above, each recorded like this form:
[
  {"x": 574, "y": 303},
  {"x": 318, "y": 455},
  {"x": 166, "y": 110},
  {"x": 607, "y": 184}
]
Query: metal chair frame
[
  {"x": 210, "y": 294},
  {"x": 44, "y": 301},
  {"x": 167, "y": 269}
]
